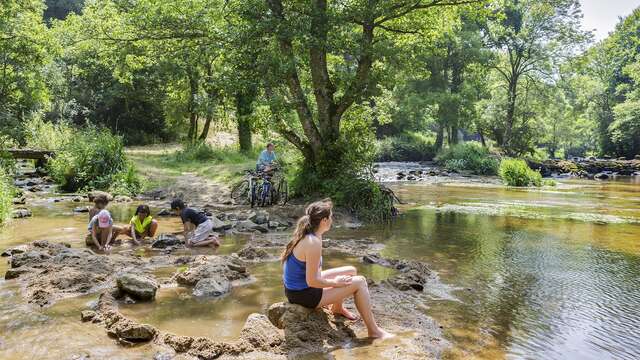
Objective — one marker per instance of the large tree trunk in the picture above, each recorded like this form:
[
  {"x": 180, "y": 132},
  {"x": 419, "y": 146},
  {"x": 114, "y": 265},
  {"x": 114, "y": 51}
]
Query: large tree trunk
[
  {"x": 244, "y": 108},
  {"x": 511, "y": 112},
  {"x": 439, "y": 137},
  {"x": 193, "y": 116}
]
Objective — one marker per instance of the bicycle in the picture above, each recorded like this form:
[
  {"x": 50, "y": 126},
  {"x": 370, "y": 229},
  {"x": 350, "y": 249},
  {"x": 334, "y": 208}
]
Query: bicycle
[{"x": 257, "y": 188}]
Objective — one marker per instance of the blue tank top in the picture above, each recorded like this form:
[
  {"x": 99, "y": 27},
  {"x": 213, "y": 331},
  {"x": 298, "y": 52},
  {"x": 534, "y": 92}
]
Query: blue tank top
[{"x": 295, "y": 273}]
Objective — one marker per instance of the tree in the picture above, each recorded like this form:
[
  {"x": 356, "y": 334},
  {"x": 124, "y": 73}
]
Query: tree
[
  {"x": 529, "y": 35},
  {"x": 24, "y": 49},
  {"x": 330, "y": 52}
]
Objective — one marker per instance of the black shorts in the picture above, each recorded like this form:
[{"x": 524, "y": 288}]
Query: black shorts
[{"x": 309, "y": 297}]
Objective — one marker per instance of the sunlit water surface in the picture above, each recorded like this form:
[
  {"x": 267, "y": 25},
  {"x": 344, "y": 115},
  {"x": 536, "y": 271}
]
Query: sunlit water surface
[{"x": 541, "y": 274}]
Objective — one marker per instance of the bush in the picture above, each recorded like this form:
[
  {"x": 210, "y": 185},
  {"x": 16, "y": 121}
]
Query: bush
[
  {"x": 516, "y": 172},
  {"x": 409, "y": 146},
  {"x": 470, "y": 156},
  {"x": 95, "y": 159},
  {"x": 40, "y": 134},
  {"x": 6, "y": 195}
]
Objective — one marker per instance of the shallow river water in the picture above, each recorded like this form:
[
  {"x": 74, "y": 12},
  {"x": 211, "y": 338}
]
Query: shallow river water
[{"x": 537, "y": 274}]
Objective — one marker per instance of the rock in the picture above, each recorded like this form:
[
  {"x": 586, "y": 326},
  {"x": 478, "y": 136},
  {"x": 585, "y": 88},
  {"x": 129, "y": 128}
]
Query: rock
[
  {"x": 132, "y": 331},
  {"x": 122, "y": 198},
  {"x": 15, "y": 250},
  {"x": 93, "y": 194},
  {"x": 622, "y": 158},
  {"x": 21, "y": 213},
  {"x": 15, "y": 273},
  {"x": 164, "y": 212},
  {"x": 253, "y": 253},
  {"x": 19, "y": 201},
  {"x": 77, "y": 199},
  {"x": 179, "y": 343},
  {"x": 260, "y": 217},
  {"x": 637, "y": 157},
  {"x": 36, "y": 188},
  {"x": 139, "y": 287},
  {"x": 31, "y": 258},
  {"x": 308, "y": 330},
  {"x": 411, "y": 178},
  {"x": 212, "y": 287},
  {"x": 166, "y": 240},
  {"x": 215, "y": 267},
  {"x": 219, "y": 225},
  {"x": 273, "y": 224},
  {"x": 87, "y": 315},
  {"x": 413, "y": 275},
  {"x": 81, "y": 209},
  {"x": 260, "y": 333},
  {"x": 248, "y": 225},
  {"x": 601, "y": 176}
]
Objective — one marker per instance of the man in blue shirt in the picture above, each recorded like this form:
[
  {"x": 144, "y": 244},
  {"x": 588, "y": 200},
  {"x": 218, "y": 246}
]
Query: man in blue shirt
[{"x": 267, "y": 159}]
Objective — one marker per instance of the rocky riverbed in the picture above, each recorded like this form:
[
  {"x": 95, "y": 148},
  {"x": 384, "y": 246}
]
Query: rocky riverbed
[{"x": 48, "y": 272}]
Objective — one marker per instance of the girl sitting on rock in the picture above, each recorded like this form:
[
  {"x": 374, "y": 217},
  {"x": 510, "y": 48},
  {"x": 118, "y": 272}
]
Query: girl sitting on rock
[
  {"x": 141, "y": 225},
  {"x": 308, "y": 285}
]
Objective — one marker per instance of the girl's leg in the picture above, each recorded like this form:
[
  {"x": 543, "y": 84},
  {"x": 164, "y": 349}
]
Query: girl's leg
[
  {"x": 360, "y": 291},
  {"x": 337, "y": 307},
  {"x": 153, "y": 228}
]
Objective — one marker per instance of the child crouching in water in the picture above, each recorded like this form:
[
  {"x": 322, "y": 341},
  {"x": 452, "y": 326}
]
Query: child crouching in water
[
  {"x": 142, "y": 225},
  {"x": 101, "y": 228},
  {"x": 197, "y": 226}
]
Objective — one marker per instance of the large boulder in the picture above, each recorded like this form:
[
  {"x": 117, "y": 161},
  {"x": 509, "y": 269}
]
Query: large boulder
[
  {"x": 130, "y": 331},
  {"x": 308, "y": 330},
  {"x": 212, "y": 287},
  {"x": 15, "y": 250},
  {"x": 261, "y": 334},
  {"x": 166, "y": 240},
  {"x": 219, "y": 225},
  {"x": 216, "y": 267},
  {"x": 140, "y": 287},
  {"x": 32, "y": 258},
  {"x": 253, "y": 253}
]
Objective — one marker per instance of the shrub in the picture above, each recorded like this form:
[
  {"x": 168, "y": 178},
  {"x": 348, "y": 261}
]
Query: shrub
[
  {"x": 95, "y": 159},
  {"x": 40, "y": 134},
  {"x": 516, "y": 172},
  {"x": 409, "y": 146},
  {"x": 470, "y": 156},
  {"x": 6, "y": 195}
]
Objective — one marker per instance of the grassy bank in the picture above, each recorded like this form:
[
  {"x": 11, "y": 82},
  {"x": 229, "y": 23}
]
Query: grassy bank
[
  {"x": 6, "y": 195},
  {"x": 158, "y": 164}
]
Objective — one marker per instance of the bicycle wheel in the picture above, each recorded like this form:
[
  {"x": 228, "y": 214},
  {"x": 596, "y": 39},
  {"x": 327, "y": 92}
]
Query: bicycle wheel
[
  {"x": 283, "y": 192},
  {"x": 264, "y": 193},
  {"x": 240, "y": 192},
  {"x": 254, "y": 193}
]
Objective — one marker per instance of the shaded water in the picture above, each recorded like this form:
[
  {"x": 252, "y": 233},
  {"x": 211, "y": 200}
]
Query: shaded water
[{"x": 548, "y": 274}]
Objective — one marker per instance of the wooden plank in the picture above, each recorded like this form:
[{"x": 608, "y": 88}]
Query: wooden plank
[{"x": 31, "y": 154}]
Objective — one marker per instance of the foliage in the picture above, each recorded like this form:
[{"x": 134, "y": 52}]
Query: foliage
[
  {"x": 47, "y": 135},
  {"x": 6, "y": 195},
  {"x": 25, "y": 48},
  {"x": 95, "y": 159},
  {"x": 516, "y": 172},
  {"x": 408, "y": 146},
  {"x": 470, "y": 156}
]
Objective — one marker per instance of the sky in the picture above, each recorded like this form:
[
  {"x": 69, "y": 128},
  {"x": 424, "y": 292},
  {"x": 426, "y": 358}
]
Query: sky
[{"x": 603, "y": 15}]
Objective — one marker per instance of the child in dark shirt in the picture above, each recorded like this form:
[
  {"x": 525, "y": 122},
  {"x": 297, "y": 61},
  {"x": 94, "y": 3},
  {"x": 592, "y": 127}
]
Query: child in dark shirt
[{"x": 197, "y": 226}]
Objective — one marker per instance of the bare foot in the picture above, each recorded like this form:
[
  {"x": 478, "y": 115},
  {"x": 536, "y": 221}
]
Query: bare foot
[
  {"x": 346, "y": 313},
  {"x": 381, "y": 335}
]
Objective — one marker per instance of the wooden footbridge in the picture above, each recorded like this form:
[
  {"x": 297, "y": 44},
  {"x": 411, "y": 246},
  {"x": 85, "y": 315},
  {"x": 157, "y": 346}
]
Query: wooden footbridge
[{"x": 40, "y": 156}]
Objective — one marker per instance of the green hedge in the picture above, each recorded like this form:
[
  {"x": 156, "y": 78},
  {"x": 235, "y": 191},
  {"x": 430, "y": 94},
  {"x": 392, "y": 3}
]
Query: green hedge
[
  {"x": 6, "y": 195},
  {"x": 408, "y": 146},
  {"x": 470, "y": 156},
  {"x": 516, "y": 172}
]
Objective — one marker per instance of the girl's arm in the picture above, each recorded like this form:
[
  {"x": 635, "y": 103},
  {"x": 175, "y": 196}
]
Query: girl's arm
[
  {"x": 133, "y": 234},
  {"x": 94, "y": 236},
  {"x": 314, "y": 275}
]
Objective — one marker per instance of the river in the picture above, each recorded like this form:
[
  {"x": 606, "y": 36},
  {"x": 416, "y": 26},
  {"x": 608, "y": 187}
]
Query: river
[{"x": 550, "y": 273}]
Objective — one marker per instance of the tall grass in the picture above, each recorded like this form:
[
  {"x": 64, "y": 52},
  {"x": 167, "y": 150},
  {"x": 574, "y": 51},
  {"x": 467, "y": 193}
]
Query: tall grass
[
  {"x": 86, "y": 158},
  {"x": 6, "y": 195},
  {"x": 408, "y": 146},
  {"x": 470, "y": 156},
  {"x": 516, "y": 172}
]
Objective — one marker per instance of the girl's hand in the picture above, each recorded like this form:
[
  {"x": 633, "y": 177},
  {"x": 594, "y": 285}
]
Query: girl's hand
[{"x": 342, "y": 280}]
